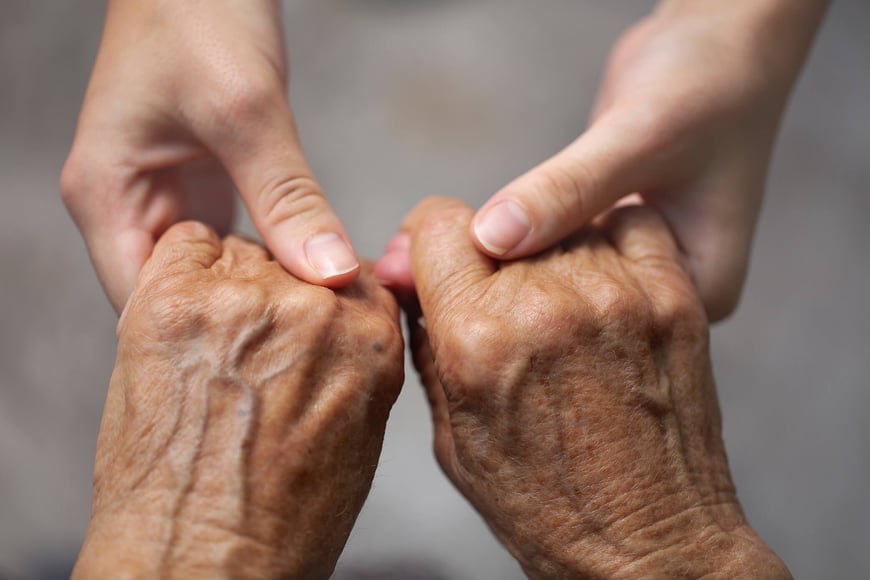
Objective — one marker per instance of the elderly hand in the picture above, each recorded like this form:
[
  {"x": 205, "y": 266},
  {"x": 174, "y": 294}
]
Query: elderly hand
[
  {"x": 244, "y": 418},
  {"x": 687, "y": 115},
  {"x": 573, "y": 399},
  {"x": 186, "y": 100}
]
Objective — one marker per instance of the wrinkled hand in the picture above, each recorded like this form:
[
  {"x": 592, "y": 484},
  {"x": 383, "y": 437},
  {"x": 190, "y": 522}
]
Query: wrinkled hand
[
  {"x": 186, "y": 100},
  {"x": 573, "y": 399},
  {"x": 686, "y": 115},
  {"x": 244, "y": 418}
]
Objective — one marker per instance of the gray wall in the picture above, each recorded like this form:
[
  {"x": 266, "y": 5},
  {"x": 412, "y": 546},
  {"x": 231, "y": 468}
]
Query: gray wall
[{"x": 399, "y": 100}]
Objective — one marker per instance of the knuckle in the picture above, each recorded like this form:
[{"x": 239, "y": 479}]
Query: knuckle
[
  {"x": 540, "y": 320},
  {"x": 609, "y": 299},
  {"x": 473, "y": 353},
  {"x": 619, "y": 307},
  {"x": 234, "y": 304},
  {"x": 191, "y": 231},
  {"x": 681, "y": 314},
  {"x": 297, "y": 197},
  {"x": 383, "y": 338},
  {"x": 318, "y": 307},
  {"x": 177, "y": 311},
  {"x": 566, "y": 187},
  {"x": 169, "y": 312},
  {"x": 72, "y": 182},
  {"x": 249, "y": 98}
]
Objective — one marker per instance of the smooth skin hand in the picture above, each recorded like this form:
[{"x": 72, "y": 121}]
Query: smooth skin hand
[
  {"x": 186, "y": 100},
  {"x": 573, "y": 399},
  {"x": 244, "y": 418},
  {"x": 686, "y": 115}
]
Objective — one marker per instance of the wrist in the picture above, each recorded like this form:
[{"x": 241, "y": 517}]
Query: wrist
[
  {"x": 712, "y": 553},
  {"x": 137, "y": 543},
  {"x": 708, "y": 552}
]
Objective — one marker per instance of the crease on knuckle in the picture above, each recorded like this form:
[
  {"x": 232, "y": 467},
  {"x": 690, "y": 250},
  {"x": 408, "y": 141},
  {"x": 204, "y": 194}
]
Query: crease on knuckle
[
  {"x": 72, "y": 182},
  {"x": 290, "y": 198},
  {"x": 680, "y": 314},
  {"x": 565, "y": 188},
  {"x": 244, "y": 99},
  {"x": 316, "y": 304},
  {"x": 473, "y": 354},
  {"x": 173, "y": 313}
]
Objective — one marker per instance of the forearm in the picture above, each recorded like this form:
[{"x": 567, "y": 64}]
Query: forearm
[{"x": 779, "y": 32}]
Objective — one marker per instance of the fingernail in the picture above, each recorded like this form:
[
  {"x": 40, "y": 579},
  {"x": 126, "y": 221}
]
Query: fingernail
[
  {"x": 502, "y": 227},
  {"x": 330, "y": 255}
]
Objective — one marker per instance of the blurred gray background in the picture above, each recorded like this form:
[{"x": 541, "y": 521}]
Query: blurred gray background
[{"x": 398, "y": 100}]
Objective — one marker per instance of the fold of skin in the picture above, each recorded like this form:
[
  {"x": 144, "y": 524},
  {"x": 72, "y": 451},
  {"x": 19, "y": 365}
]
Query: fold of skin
[
  {"x": 244, "y": 418},
  {"x": 574, "y": 403}
]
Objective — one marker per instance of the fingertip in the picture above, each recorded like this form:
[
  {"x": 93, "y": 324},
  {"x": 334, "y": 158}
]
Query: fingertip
[
  {"x": 393, "y": 270},
  {"x": 500, "y": 228},
  {"x": 333, "y": 259},
  {"x": 324, "y": 259}
]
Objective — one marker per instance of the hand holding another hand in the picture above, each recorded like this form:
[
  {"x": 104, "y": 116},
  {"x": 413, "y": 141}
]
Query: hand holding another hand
[
  {"x": 687, "y": 114},
  {"x": 188, "y": 100}
]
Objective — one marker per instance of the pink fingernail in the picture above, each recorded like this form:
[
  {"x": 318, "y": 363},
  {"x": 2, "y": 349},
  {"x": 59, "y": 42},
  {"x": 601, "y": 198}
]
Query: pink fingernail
[
  {"x": 502, "y": 227},
  {"x": 330, "y": 255}
]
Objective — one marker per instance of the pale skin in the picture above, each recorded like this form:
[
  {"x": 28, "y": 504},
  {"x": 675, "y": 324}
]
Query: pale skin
[
  {"x": 188, "y": 99},
  {"x": 687, "y": 114},
  {"x": 573, "y": 399},
  {"x": 244, "y": 418}
]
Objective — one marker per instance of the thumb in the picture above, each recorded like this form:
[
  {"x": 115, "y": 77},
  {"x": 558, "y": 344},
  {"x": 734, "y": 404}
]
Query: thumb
[
  {"x": 445, "y": 265},
  {"x": 264, "y": 158},
  {"x": 563, "y": 194}
]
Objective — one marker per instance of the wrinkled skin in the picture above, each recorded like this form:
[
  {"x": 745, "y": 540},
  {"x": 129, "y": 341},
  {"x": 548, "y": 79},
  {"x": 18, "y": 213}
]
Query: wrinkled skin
[
  {"x": 244, "y": 418},
  {"x": 573, "y": 399}
]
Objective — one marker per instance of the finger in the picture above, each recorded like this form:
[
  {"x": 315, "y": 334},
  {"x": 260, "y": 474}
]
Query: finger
[
  {"x": 642, "y": 235},
  {"x": 241, "y": 258},
  {"x": 566, "y": 192},
  {"x": 393, "y": 269},
  {"x": 185, "y": 247},
  {"x": 444, "y": 261},
  {"x": 264, "y": 158}
]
